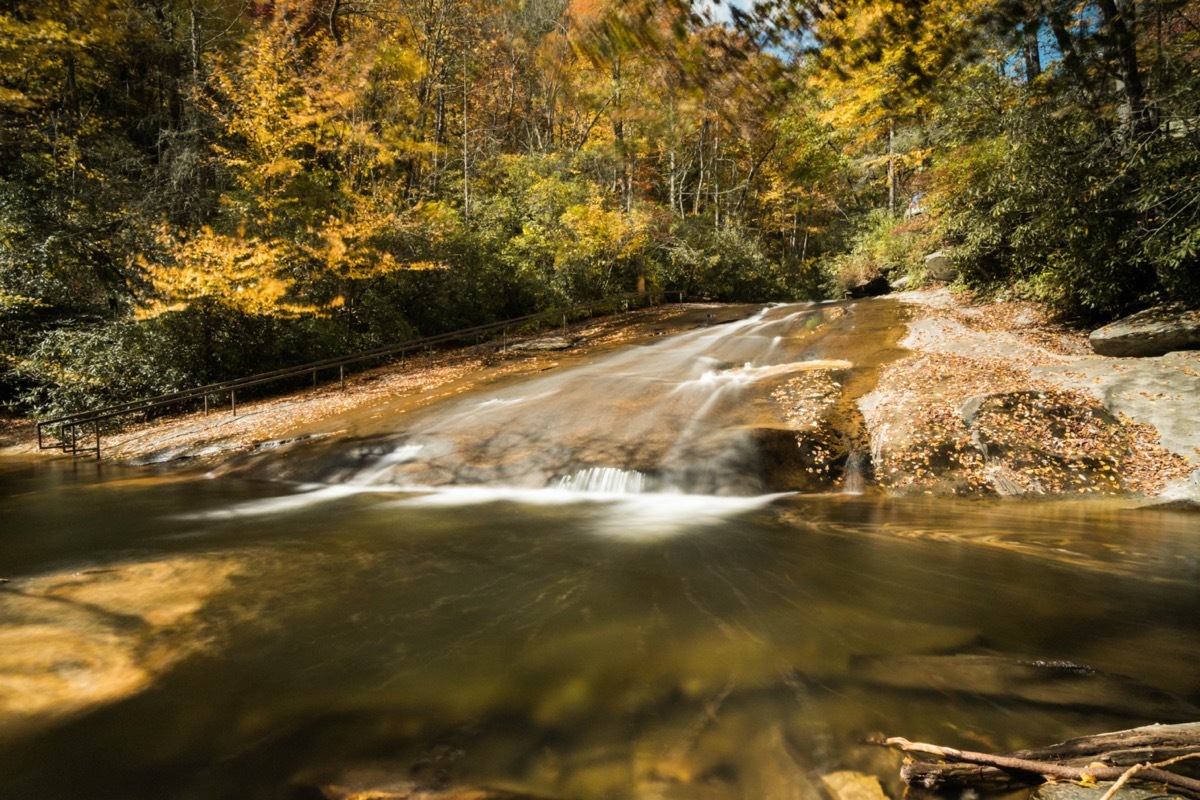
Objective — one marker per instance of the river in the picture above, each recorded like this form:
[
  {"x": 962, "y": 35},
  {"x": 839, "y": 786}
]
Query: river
[{"x": 577, "y": 586}]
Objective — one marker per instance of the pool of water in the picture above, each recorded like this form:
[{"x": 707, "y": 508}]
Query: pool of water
[{"x": 165, "y": 635}]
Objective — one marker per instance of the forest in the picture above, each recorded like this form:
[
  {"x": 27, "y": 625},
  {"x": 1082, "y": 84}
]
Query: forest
[{"x": 193, "y": 190}]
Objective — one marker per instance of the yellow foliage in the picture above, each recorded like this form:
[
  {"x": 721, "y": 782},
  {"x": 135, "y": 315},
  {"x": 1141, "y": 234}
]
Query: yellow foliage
[{"x": 243, "y": 273}]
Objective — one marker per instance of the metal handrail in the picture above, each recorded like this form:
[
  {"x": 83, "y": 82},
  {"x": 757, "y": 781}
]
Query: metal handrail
[{"x": 73, "y": 422}]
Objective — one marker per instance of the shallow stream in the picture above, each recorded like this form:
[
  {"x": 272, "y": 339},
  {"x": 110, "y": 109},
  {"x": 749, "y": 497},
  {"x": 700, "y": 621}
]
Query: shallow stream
[{"x": 585, "y": 626}]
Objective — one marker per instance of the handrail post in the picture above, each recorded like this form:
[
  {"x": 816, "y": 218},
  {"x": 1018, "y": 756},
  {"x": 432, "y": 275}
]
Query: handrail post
[
  {"x": 314, "y": 379},
  {"x": 342, "y": 377},
  {"x": 96, "y": 430},
  {"x": 206, "y": 405},
  {"x": 233, "y": 400}
]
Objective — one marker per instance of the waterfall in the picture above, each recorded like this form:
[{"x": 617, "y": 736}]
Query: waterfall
[
  {"x": 603, "y": 480},
  {"x": 676, "y": 416},
  {"x": 852, "y": 478}
]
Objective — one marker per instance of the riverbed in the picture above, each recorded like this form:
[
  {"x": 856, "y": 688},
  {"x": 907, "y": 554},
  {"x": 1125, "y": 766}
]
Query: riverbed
[{"x": 411, "y": 609}]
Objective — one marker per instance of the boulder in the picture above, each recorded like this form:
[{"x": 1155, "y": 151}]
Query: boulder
[
  {"x": 1072, "y": 791},
  {"x": 869, "y": 288},
  {"x": 544, "y": 344},
  {"x": 1048, "y": 683},
  {"x": 1153, "y": 332},
  {"x": 848, "y": 785},
  {"x": 902, "y": 283},
  {"x": 940, "y": 267}
]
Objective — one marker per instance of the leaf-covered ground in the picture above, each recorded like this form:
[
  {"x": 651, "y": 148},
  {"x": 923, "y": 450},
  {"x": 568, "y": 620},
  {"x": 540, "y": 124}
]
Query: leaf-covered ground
[{"x": 981, "y": 406}]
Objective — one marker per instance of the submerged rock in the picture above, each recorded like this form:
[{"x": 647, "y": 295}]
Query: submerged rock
[
  {"x": 1153, "y": 332},
  {"x": 1054, "y": 683},
  {"x": 391, "y": 789},
  {"x": 72, "y": 642},
  {"x": 848, "y": 785},
  {"x": 1073, "y": 791}
]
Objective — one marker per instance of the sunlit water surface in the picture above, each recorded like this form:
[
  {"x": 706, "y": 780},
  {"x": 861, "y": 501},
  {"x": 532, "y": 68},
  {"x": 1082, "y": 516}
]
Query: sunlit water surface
[
  {"x": 569, "y": 647},
  {"x": 575, "y": 587}
]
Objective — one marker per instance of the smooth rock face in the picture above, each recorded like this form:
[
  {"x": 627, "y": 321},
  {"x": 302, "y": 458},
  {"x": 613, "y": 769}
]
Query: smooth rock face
[
  {"x": 1071, "y": 791},
  {"x": 939, "y": 267},
  {"x": 1052, "y": 683},
  {"x": 545, "y": 344},
  {"x": 1153, "y": 332},
  {"x": 72, "y": 642},
  {"x": 853, "y": 786}
]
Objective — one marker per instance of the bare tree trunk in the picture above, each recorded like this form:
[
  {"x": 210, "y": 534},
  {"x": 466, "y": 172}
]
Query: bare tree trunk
[
  {"x": 891, "y": 167},
  {"x": 1032, "y": 49},
  {"x": 700, "y": 180},
  {"x": 1120, "y": 20},
  {"x": 466, "y": 167}
]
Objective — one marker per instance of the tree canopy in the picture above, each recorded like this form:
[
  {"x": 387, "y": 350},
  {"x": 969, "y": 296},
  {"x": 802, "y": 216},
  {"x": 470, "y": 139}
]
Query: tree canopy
[{"x": 190, "y": 189}]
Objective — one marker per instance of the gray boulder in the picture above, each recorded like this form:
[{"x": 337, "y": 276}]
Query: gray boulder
[
  {"x": 940, "y": 267},
  {"x": 547, "y": 343},
  {"x": 1153, "y": 332}
]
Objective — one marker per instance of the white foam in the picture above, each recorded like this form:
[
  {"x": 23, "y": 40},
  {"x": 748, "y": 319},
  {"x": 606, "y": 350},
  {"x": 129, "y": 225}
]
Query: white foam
[
  {"x": 309, "y": 495},
  {"x": 603, "y": 479},
  {"x": 644, "y": 517}
]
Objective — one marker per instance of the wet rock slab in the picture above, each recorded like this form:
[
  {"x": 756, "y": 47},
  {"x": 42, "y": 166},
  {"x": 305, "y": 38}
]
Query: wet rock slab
[
  {"x": 545, "y": 344},
  {"x": 1072, "y": 791},
  {"x": 75, "y": 641},
  {"x": 848, "y": 785},
  {"x": 1053, "y": 683}
]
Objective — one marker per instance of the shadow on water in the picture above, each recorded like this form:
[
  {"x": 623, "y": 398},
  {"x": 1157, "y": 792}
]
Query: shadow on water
[{"x": 577, "y": 628}]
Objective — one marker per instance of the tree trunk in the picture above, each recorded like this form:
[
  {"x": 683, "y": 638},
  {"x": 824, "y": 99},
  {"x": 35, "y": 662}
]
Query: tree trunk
[
  {"x": 1120, "y": 20},
  {"x": 891, "y": 167},
  {"x": 1032, "y": 49}
]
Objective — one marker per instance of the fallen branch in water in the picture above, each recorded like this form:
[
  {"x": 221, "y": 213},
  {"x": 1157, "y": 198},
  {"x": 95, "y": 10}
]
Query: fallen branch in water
[
  {"x": 1049, "y": 769},
  {"x": 1151, "y": 743},
  {"x": 1136, "y": 768}
]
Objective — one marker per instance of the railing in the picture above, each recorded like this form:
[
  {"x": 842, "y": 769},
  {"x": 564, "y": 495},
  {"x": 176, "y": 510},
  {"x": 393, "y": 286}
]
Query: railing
[{"x": 64, "y": 433}]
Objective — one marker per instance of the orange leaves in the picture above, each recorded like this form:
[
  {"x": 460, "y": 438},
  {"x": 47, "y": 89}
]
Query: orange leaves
[{"x": 244, "y": 273}]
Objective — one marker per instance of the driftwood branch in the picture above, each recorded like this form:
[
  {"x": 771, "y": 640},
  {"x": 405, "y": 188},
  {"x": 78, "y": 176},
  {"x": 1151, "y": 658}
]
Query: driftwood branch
[
  {"x": 1047, "y": 769},
  {"x": 1136, "y": 768},
  {"x": 1152, "y": 743}
]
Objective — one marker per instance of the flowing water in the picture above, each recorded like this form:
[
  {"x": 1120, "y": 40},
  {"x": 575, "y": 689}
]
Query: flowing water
[{"x": 575, "y": 586}]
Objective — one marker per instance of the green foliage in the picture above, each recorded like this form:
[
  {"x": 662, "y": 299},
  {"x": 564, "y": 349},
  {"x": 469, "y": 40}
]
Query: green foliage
[
  {"x": 724, "y": 265},
  {"x": 73, "y": 368},
  {"x": 191, "y": 190},
  {"x": 1049, "y": 198},
  {"x": 881, "y": 246}
]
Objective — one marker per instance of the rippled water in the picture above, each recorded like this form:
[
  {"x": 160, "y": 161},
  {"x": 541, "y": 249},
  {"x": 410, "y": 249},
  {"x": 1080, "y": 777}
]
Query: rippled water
[
  {"x": 595, "y": 647},
  {"x": 175, "y": 636}
]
